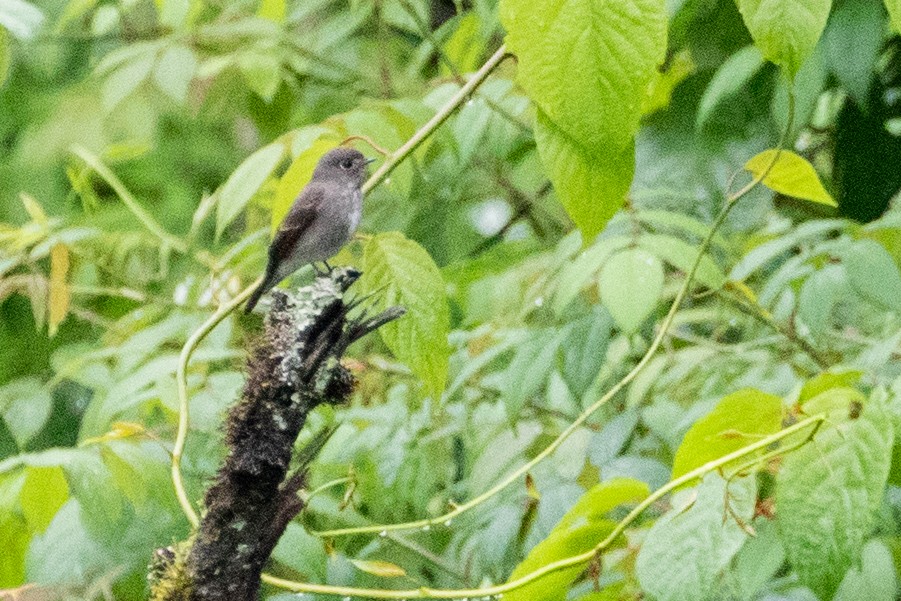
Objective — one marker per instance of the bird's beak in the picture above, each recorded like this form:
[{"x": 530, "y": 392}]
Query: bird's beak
[{"x": 368, "y": 161}]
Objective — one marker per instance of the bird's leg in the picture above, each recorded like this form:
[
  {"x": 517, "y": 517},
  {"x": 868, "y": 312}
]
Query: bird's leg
[{"x": 329, "y": 267}]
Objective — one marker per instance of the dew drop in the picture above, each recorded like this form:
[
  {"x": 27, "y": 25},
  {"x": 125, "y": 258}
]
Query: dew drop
[
  {"x": 539, "y": 301},
  {"x": 448, "y": 523},
  {"x": 383, "y": 533},
  {"x": 387, "y": 181},
  {"x": 427, "y": 527},
  {"x": 469, "y": 102}
]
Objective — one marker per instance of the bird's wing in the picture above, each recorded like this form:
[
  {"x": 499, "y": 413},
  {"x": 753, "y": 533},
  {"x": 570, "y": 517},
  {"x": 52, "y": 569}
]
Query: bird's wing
[{"x": 299, "y": 219}]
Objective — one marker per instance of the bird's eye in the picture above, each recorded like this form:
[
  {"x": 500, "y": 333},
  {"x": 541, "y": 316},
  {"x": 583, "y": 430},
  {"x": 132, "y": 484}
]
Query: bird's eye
[{"x": 347, "y": 164}]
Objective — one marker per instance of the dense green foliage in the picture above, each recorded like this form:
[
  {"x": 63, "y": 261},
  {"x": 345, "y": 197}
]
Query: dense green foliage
[{"x": 747, "y": 447}]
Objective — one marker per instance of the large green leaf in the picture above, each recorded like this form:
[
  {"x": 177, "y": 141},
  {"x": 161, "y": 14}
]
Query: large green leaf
[
  {"x": 400, "y": 272},
  {"x": 739, "y": 419},
  {"x": 245, "y": 181},
  {"x": 786, "y": 31},
  {"x": 630, "y": 285},
  {"x": 592, "y": 185},
  {"x": 685, "y": 552},
  {"x": 791, "y": 175},
  {"x": 581, "y": 529},
  {"x": 587, "y": 64},
  {"x": 873, "y": 274},
  {"x": 828, "y": 492},
  {"x": 728, "y": 79}
]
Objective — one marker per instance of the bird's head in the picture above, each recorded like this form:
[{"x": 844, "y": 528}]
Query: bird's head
[{"x": 344, "y": 165}]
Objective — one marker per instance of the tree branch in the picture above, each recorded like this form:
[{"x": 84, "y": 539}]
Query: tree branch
[{"x": 294, "y": 369}]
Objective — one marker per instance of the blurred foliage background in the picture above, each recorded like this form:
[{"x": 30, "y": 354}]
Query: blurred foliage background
[{"x": 147, "y": 148}]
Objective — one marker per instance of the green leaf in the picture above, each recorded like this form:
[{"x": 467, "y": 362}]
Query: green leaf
[
  {"x": 582, "y": 528},
  {"x": 852, "y": 43},
  {"x": 873, "y": 274},
  {"x": 583, "y": 350},
  {"x": 786, "y": 31},
  {"x": 728, "y": 80},
  {"x": 529, "y": 369},
  {"x": 874, "y": 580},
  {"x": 828, "y": 380},
  {"x": 5, "y": 56},
  {"x": 261, "y": 71},
  {"x": 400, "y": 272},
  {"x": 686, "y": 551},
  {"x": 14, "y": 540},
  {"x": 739, "y": 419},
  {"x": 819, "y": 295},
  {"x": 25, "y": 405},
  {"x": 758, "y": 561},
  {"x": 22, "y": 19},
  {"x": 246, "y": 180},
  {"x": 828, "y": 492},
  {"x": 586, "y": 64},
  {"x": 894, "y": 11},
  {"x": 576, "y": 274},
  {"x": 45, "y": 490},
  {"x": 682, "y": 255},
  {"x": 122, "y": 82},
  {"x": 174, "y": 71},
  {"x": 791, "y": 175},
  {"x": 660, "y": 92},
  {"x": 630, "y": 286},
  {"x": 592, "y": 186}
]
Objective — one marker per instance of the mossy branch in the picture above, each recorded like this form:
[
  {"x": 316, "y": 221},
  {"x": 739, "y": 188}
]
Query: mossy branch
[{"x": 294, "y": 369}]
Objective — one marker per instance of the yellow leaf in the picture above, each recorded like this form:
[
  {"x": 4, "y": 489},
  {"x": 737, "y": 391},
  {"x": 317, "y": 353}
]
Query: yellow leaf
[
  {"x": 117, "y": 430},
  {"x": 34, "y": 209},
  {"x": 59, "y": 289},
  {"x": 377, "y": 567},
  {"x": 274, "y": 10},
  {"x": 791, "y": 175}
]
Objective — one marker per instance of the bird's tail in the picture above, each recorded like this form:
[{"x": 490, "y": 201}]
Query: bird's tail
[{"x": 262, "y": 289}]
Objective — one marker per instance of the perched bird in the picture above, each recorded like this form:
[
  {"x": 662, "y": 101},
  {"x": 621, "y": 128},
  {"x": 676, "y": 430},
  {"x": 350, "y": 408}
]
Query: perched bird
[{"x": 322, "y": 219}]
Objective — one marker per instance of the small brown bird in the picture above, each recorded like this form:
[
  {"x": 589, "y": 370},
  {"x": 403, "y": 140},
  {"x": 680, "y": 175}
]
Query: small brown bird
[{"x": 322, "y": 219}]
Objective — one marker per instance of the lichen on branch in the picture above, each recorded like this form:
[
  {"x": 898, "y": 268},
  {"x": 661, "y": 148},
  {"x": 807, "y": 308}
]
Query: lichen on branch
[{"x": 294, "y": 368}]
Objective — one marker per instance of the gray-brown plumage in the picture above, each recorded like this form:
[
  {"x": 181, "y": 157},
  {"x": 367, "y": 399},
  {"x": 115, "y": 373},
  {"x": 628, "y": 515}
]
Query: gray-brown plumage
[{"x": 322, "y": 219}]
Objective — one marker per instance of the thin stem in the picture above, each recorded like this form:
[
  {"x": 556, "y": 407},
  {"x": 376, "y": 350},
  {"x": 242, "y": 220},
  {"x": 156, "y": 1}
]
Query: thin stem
[
  {"x": 517, "y": 474},
  {"x": 568, "y": 562},
  {"x": 182, "y": 382},
  {"x": 127, "y": 198},
  {"x": 435, "y": 122}
]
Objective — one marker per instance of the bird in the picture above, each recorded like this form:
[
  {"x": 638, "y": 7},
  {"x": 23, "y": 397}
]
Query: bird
[{"x": 322, "y": 219}]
